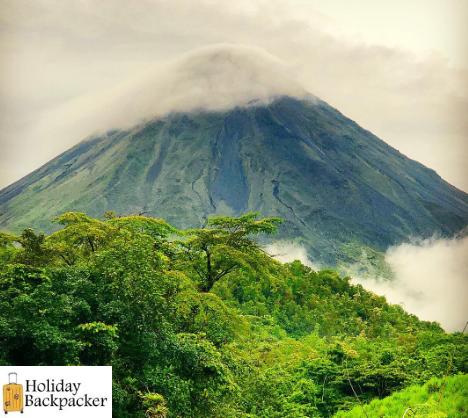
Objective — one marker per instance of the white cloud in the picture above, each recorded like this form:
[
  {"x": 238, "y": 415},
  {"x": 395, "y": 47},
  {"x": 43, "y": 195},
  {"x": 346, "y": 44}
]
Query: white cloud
[
  {"x": 289, "y": 251},
  {"x": 431, "y": 280},
  {"x": 212, "y": 78},
  {"x": 431, "y": 277}
]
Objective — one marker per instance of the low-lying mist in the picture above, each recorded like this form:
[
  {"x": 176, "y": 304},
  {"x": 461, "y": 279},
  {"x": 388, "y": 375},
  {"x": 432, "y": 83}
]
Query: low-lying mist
[
  {"x": 431, "y": 278},
  {"x": 288, "y": 251}
]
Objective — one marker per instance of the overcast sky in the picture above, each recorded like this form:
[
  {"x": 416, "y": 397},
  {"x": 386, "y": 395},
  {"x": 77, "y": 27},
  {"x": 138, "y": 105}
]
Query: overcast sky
[{"x": 399, "y": 68}]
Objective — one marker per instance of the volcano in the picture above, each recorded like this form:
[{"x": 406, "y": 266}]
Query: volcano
[{"x": 333, "y": 182}]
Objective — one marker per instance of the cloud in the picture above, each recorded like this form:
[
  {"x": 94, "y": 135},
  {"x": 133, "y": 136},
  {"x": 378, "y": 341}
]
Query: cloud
[
  {"x": 289, "y": 251},
  {"x": 57, "y": 55},
  {"x": 213, "y": 78},
  {"x": 431, "y": 278}
]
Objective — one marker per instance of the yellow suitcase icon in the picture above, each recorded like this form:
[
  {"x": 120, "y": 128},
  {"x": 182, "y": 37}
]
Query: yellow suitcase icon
[{"x": 13, "y": 395}]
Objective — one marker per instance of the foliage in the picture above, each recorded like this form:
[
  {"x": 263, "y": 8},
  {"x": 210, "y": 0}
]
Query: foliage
[
  {"x": 203, "y": 323},
  {"x": 224, "y": 246},
  {"x": 438, "y": 398},
  {"x": 155, "y": 404}
]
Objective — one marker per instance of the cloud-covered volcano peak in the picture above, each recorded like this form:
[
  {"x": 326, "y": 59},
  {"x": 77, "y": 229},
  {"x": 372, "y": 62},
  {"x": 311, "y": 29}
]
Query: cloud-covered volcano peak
[
  {"x": 223, "y": 76},
  {"x": 213, "y": 78},
  {"x": 218, "y": 77}
]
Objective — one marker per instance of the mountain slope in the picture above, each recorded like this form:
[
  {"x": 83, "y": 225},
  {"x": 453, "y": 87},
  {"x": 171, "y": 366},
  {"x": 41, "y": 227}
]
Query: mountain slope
[
  {"x": 332, "y": 181},
  {"x": 445, "y": 397}
]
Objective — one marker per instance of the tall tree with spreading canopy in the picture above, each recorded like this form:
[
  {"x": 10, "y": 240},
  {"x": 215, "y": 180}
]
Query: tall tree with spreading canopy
[{"x": 225, "y": 245}]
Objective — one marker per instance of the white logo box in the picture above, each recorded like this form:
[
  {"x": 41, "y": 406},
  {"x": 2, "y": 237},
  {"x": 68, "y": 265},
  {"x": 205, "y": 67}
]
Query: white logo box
[{"x": 59, "y": 391}]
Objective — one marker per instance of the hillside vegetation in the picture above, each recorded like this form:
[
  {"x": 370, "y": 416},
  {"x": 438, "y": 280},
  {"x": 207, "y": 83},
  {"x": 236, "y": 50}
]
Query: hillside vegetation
[
  {"x": 204, "y": 323},
  {"x": 438, "y": 398}
]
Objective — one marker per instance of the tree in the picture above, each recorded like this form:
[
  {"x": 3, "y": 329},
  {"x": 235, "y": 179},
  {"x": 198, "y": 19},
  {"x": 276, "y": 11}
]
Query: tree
[
  {"x": 34, "y": 251},
  {"x": 81, "y": 236},
  {"x": 225, "y": 245},
  {"x": 8, "y": 247}
]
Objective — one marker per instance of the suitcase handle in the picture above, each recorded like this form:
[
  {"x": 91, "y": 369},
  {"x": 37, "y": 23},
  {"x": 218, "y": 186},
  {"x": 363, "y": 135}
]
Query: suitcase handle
[{"x": 16, "y": 377}]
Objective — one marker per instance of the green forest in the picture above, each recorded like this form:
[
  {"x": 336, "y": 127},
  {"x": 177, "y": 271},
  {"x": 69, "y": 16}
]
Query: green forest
[{"x": 204, "y": 323}]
